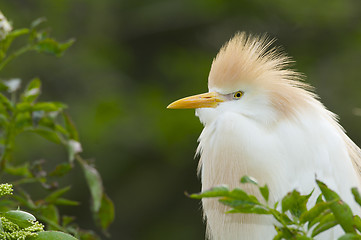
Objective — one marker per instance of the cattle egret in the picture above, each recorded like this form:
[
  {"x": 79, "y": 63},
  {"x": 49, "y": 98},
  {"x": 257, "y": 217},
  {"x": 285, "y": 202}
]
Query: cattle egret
[{"x": 261, "y": 120}]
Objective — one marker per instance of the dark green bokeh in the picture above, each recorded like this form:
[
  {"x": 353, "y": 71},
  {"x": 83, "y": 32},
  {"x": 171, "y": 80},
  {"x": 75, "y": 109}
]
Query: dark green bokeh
[{"x": 132, "y": 58}]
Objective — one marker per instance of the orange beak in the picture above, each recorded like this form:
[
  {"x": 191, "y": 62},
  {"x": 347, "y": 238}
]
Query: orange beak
[{"x": 205, "y": 100}]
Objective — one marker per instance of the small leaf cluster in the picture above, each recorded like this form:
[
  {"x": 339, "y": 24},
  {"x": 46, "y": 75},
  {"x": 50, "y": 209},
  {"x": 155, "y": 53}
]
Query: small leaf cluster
[
  {"x": 21, "y": 225},
  {"x": 37, "y": 40},
  {"x": 21, "y": 111},
  {"x": 295, "y": 220}
]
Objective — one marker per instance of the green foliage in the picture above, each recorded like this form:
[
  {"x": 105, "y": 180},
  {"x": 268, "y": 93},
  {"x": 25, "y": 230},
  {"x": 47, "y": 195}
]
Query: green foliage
[
  {"x": 295, "y": 220},
  {"x": 20, "y": 218},
  {"x": 52, "y": 235},
  {"x": 20, "y": 112},
  {"x": 21, "y": 225}
]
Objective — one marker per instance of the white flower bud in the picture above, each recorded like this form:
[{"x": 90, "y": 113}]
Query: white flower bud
[{"x": 5, "y": 26}]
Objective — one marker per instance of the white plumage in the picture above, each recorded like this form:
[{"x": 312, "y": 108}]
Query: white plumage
[{"x": 275, "y": 130}]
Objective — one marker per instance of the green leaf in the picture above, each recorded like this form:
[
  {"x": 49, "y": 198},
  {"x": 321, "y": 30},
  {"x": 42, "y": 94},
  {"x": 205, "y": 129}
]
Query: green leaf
[
  {"x": 6, "y": 43},
  {"x": 37, "y": 22},
  {"x": 303, "y": 238},
  {"x": 279, "y": 235},
  {"x": 283, "y": 233},
  {"x": 34, "y": 83},
  {"x": 219, "y": 191},
  {"x": 319, "y": 198},
  {"x": 356, "y": 195},
  {"x": 20, "y": 218},
  {"x": 4, "y": 121},
  {"x": 66, "y": 202},
  {"x": 24, "y": 199},
  {"x": 18, "y": 32},
  {"x": 46, "y": 121},
  {"x": 239, "y": 194},
  {"x": 350, "y": 236},
  {"x": 50, "y": 213},
  {"x": 32, "y": 91},
  {"x": 38, "y": 36},
  {"x": 56, "y": 194},
  {"x": 52, "y": 235},
  {"x": 60, "y": 129},
  {"x": 237, "y": 203},
  {"x": 265, "y": 192},
  {"x": 23, "y": 121},
  {"x": 87, "y": 235},
  {"x": 66, "y": 220},
  {"x": 51, "y": 46},
  {"x": 3, "y": 86},
  {"x": 105, "y": 216},
  {"x": 6, "y": 102},
  {"x": 340, "y": 209},
  {"x": 285, "y": 219},
  {"x": 41, "y": 106},
  {"x": 295, "y": 203},
  {"x": 48, "y": 134},
  {"x": 95, "y": 185},
  {"x": 357, "y": 222},
  {"x": 70, "y": 127},
  {"x": 281, "y": 217},
  {"x": 314, "y": 212},
  {"x": 20, "y": 170},
  {"x": 317, "y": 219},
  {"x": 248, "y": 179},
  {"x": 328, "y": 221},
  {"x": 327, "y": 193},
  {"x": 24, "y": 107},
  {"x": 49, "y": 106},
  {"x": 245, "y": 208}
]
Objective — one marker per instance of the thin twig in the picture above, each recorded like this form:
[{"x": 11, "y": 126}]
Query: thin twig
[{"x": 15, "y": 55}]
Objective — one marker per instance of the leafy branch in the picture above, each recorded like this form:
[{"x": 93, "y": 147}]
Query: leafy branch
[
  {"x": 21, "y": 225},
  {"x": 20, "y": 112},
  {"x": 295, "y": 220},
  {"x": 39, "y": 41}
]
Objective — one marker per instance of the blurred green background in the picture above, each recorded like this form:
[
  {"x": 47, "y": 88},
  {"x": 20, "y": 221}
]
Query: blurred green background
[{"x": 132, "y": 58}]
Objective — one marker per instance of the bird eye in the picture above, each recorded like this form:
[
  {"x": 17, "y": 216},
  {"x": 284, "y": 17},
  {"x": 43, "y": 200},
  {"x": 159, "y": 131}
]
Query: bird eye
[{"x": 237, "y": 95}]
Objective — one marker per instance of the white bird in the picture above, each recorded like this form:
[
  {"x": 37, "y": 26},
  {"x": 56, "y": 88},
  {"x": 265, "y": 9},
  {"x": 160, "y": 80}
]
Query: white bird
[{"x": 261, "y": 120}]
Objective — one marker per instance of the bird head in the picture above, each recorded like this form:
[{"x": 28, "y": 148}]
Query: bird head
[{"x": 249, "y": 77}]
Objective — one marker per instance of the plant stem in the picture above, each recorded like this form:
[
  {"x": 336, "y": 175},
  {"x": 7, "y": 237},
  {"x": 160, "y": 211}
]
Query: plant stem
[
  {"x": 15, "y": 55},
  {"x": 9, "y": 141}
]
